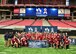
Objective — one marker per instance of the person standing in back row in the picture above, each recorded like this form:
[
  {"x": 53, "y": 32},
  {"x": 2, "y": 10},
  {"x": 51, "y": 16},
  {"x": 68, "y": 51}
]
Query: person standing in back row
[
  {"x": 6, "y": 38},
  {"x": 10, "y": 36}
]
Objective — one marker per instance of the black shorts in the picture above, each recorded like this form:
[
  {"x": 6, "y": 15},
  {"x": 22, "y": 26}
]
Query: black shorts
[
  {"x": 6, "y": 39},
  {"x": 67, "y": 46}
]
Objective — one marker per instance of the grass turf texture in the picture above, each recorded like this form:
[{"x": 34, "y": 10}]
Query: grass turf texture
[{"x": 26, "y": 50}]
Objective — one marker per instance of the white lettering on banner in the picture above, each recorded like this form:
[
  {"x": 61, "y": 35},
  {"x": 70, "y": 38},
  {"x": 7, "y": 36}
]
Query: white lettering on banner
[
  {"x": 30, "y": 29},
  {"x": 38, "y": 11},
  {"x": 73, "y": 41},
  {"x": 60, "y": 11},
  {"x": 35, "y": 29},
  {"x": 46, "y": 30},
  {"x": 52, "y": 29},
  {"x": 45, "y": 11}
]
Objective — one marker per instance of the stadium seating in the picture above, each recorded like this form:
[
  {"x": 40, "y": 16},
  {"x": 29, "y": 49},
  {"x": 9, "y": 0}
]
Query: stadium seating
[
  {"x": 59, "y": 24},
  {"x": 9, "y": 22},
  {"x": 73, "y": 24},
  {"x": 63, "y": 24},
  {"x": 21, "y": 22},
  {"x": 2, "y": 21},
  {"x": 24, "y": 23},
  {"x": 38, "y": 23}
]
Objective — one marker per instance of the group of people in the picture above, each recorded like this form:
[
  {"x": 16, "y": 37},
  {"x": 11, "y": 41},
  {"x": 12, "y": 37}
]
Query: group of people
[{"x": 19, "y": 39}]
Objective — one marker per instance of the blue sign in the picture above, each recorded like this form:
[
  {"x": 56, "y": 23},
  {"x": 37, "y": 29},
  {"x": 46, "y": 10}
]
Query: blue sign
[
  {"x": 55, "y": 28},
  {"x": 41, "y": 12},
  {"x": 41, "y": 29},
  {"x": 33, "y": 29},
  {"x": 30, "y": 11},
  {"x": 52, "y": 12}
]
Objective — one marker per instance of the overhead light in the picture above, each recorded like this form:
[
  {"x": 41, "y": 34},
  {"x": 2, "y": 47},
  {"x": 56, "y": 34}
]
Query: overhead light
[
  {"x": 29, "y": 8},
  {"x": 53, "y": 9}
]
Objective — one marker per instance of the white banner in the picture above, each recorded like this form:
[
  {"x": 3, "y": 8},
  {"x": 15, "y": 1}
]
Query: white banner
[
  {"x": 61, "y": 12},
  {"x": 22, "y": 10},
  {"x": 67, "y": 11}
]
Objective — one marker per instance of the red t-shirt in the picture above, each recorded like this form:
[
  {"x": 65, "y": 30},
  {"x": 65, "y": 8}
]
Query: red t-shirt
[
  {"x": 64, "y": 38},
  {"x": 28, "y": 35},
  {"x": 16, "y": 40},
  {"x": 13, "y": 40},
  {"x": 67, "y": 42},
  {"x": 40, "y": 37}
]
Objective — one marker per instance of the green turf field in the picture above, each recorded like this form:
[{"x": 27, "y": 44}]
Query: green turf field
[{"x": 25, "y": 50}]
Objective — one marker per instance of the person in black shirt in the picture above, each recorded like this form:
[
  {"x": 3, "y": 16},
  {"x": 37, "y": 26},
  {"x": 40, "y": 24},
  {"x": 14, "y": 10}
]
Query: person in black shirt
[
  {"x": 10, "y": 36},
  {"x": 6, "y": 38}
]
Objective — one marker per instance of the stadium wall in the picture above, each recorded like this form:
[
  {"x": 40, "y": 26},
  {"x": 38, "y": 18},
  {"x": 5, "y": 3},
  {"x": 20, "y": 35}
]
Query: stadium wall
[{"x": 3, "y": 31}]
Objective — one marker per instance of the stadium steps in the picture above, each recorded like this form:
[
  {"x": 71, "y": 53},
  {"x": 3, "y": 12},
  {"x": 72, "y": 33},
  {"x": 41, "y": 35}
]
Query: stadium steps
[{"x": 46, "y": 23}]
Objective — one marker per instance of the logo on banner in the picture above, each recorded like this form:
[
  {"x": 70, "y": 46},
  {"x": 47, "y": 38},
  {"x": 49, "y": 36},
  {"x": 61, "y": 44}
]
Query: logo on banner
[
  {"x": 52, "y": 29},
  {"x": 61, "y": 12},
  {"x": 35, "y": 29},
  {"x": 38, "y": 11},
  {"x": 45, "y": 11},
  {"x": 30, "y": 29},
  {"x": 41, "y": 11},
  {"x": 47, "y": 30}
]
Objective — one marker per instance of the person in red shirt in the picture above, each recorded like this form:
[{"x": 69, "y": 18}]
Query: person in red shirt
[
  {"x": 66, "y": 43},
  {"x": 28, "y": 36},
  {"x": 33, "y": 36},
  {"x": 56, "y": 43},
  {"x": 52, "y": 39},
  {"x": 23, "y": 41},
  {"x": 15, "y": 42},
  {"x": 40, "y": 37},
  {"x": 36, "y": 36},
  {"x": 64, "y": 37},
  {"x": 44, "y": 36}
]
